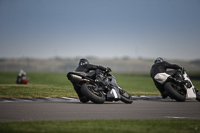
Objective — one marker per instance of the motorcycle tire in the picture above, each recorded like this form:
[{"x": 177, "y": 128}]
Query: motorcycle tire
[
  {"x": 170, "y": 89},
  {"x": 125, "y": 97},
  {"x": 89, "y": 92}
]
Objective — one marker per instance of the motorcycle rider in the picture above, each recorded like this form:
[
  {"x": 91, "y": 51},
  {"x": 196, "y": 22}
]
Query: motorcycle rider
[
  {"x": 85, "y": 66},
  {"x": 159, "y": 75},
  {"x": 22, "y": 78}
]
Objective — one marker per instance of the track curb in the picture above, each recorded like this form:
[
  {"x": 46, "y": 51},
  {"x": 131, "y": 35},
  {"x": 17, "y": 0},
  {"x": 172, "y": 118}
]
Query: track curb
[{"x": 67, "y": 99}]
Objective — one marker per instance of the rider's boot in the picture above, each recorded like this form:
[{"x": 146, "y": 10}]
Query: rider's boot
[
  {"x": 100, "y": 78},
  {"x": 83, "y": 99},
  {"x": 103, "y": 84},
  {"x": 164, "y": 95}
]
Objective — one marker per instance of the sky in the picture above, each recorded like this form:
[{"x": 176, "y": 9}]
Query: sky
[{"x": 100, "y": 28}]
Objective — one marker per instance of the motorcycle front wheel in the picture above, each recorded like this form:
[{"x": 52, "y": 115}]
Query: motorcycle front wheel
[
  {"x": 89, "y": 92},
  {"x": 125, "y": 97},
  {"x": 175, "y": 92}
]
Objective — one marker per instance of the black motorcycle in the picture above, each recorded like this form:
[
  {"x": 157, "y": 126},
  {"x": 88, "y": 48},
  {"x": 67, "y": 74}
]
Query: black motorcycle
[
  {"x": 180, "y": 92},
  {"x": 96, "y": 91}
]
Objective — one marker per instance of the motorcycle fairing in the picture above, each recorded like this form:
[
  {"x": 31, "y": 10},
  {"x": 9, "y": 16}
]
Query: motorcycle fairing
[
  {"x": 191, "y": 94},
  {"x": 113, "y": 95}
]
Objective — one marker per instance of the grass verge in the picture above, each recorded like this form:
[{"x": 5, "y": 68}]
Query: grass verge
[
  {"x": 57, "y": 85},
  {"x": 99, "y": 126}
]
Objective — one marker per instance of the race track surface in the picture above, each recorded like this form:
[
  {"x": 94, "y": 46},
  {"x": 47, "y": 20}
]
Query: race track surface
[{"x": 71, "y": 109}]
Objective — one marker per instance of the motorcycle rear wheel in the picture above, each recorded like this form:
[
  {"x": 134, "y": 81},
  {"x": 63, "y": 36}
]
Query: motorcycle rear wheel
[
  {"x": 173, "y": 93},
  {"x": 125, "y": 97},
  {"x": 95, "y": 96}
]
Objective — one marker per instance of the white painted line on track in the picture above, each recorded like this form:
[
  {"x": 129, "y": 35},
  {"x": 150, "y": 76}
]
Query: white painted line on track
[{"x": 175, "y": 117}]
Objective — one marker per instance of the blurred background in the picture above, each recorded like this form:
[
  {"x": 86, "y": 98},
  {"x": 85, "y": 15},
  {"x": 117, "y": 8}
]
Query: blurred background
[{"x": 126, "y": 35}]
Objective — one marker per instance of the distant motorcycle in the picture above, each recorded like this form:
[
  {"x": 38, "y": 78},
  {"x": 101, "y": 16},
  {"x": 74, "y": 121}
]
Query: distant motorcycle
[
  {"x": 177, "y": 91},
  {"x": 22, "y": 78},
  {"x": 97, "y": 92}
]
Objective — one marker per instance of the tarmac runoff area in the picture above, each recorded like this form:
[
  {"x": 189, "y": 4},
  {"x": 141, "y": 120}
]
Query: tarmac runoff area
[{"x": 66, "y": 108}]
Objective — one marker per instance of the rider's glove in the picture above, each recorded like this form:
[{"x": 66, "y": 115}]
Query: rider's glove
[
  {"x": 102, "y": 68},
  {"x": 108, "y": 69},
  {"x": 181, "y": 69}
]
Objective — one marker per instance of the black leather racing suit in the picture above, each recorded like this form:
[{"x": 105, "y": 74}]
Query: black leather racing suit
[
  {"x": 87, "y": 68},
  {"x": 161, "y": 68}
]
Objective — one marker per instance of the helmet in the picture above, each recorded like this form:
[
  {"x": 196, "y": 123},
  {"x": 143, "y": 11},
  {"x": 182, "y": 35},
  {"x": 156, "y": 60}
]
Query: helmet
[
  {"x": 83, "y": 62},
  {"x": 158, "y": 60},
  {"x": 22, "y": 73}
]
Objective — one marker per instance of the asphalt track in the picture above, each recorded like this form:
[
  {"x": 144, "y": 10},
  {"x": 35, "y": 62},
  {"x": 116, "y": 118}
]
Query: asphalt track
[{"x": 71, "y": 109}]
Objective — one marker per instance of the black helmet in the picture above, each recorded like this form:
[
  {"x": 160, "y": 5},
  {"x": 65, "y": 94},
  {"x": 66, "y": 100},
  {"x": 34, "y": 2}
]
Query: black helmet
[
  {"x": 158, "y": 60},
  {"x": 83, "y": 62}
]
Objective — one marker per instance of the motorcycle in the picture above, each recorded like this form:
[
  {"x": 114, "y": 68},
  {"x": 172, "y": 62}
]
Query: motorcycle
[
  {"x": 96, "y": 91},
  {"x": 180, "y": 92}
]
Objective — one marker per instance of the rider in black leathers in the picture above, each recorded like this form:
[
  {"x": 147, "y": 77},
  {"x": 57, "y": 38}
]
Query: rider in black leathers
[
  {"x": 85, "y": 66},
  {"x": 159, "y": 75},
  {"x": 22, "y": 78}
]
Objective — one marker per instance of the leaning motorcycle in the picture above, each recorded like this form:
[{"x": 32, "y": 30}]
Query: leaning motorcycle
[
  {"x": 96, "y": 91},
  {"x": 180, "y": 92}
]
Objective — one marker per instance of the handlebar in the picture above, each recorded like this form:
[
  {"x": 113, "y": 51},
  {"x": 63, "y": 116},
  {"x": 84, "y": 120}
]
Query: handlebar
[{"x": 182, "y": 70}]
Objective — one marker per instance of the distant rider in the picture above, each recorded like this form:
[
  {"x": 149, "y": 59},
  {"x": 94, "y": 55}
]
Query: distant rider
[
  {"x": 159, "y": 75},
  {"x": 85, "y": 66},
  {"x": 22, "y": 78}
]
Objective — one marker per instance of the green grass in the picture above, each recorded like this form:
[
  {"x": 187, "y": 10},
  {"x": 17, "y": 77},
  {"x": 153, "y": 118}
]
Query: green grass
[
  {"x": 41, "y": 85},
  {"x": 101, "y": 126},
  {"x": 57, "y": 85}
]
